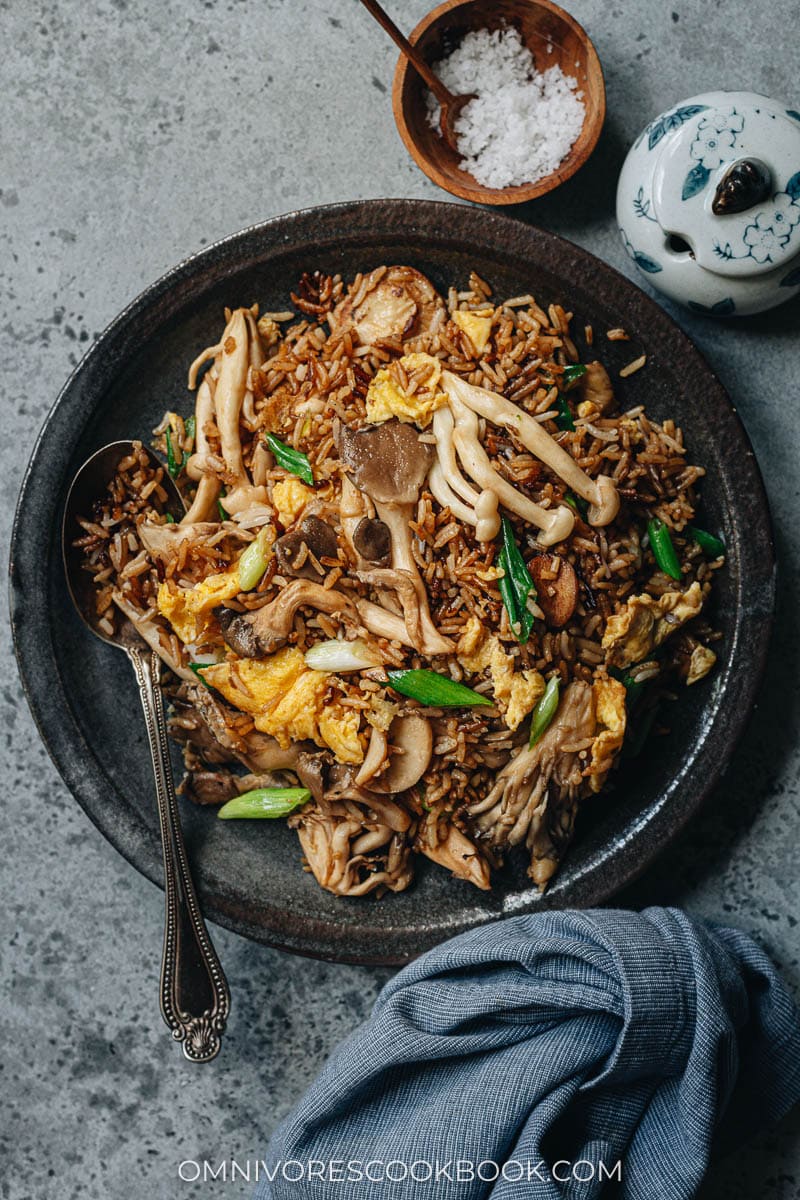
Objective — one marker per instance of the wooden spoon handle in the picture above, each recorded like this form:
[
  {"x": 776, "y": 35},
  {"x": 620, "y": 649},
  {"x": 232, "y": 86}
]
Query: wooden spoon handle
[{"x": 414, "y": 57}]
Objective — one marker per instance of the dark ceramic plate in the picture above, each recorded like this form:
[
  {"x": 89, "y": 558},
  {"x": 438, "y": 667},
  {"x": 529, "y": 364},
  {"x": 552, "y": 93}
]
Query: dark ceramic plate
[{"x": 82, "y": 693}]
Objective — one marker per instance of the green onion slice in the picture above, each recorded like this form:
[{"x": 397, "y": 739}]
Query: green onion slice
[
  {"x": 516, "y": 585},
  {"x": 253, "y": 561},
  {"x": 577, "y": 502},
  {"x": 709, "y": 543},
  {"x": 545, "y": 710},
  {"x": 290, "y": 459},
  {"x": 434, "y": 690},
  {"x": 174, "y": 463},
  {"x": 264, "y": 802},
  {"x": 564, "y": 420},
  {"x": 663, "y": 549},
  {"x": 190, "y": 426},
  {"x": 633, "y": 687},
  {"x": 572, "y": 374}
]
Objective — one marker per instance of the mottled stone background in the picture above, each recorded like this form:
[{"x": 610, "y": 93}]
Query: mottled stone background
[{"x": 132, "y": 134}]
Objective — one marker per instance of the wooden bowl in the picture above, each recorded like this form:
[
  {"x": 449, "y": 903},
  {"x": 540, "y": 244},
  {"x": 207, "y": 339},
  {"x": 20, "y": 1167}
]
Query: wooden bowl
[{"x": 540, "y": 23}]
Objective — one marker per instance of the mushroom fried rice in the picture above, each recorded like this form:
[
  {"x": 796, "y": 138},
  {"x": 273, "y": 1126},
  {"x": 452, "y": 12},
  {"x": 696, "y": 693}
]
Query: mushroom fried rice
[{"x": 431, "y": 581}]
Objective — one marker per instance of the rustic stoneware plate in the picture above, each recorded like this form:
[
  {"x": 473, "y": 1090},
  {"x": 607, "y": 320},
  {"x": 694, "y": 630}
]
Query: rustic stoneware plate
[{"x": 82, "y": 694}]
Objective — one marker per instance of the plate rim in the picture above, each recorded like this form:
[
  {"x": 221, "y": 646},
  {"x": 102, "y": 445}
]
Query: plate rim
[{"x": 316, "y": 937}]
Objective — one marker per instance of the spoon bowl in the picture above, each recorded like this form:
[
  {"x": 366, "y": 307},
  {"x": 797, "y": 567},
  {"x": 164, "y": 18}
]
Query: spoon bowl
[
  {"x": 553, "y": 37},
  {"x": 88, "y": 486}
]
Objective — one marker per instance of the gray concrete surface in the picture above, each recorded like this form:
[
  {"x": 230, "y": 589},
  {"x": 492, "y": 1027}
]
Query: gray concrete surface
[{"x": 132, "y": 134}]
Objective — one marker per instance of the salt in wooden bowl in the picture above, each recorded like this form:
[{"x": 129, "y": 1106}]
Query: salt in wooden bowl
[{"x": 541, "y": 24}]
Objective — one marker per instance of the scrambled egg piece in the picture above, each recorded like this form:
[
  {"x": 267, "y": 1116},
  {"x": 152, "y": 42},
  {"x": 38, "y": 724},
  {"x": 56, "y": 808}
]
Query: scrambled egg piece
[
  {"x": 386, "y": 399},
  {"x": 700, "y": 663},
  {"x": 609, "y": 707},
  {"x": 645, "y": 622},
  {"x": 381, "y": 712},
  {"x": 477, "y": 327},
  {"x": 286, "y": 700},
  {"x": 516, "y": 692},
  {"x": 289, "y": 498},
  {"x": 189, "y": 610}
]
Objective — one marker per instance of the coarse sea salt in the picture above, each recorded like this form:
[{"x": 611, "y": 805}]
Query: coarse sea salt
[{"x": 522, "y": 123}]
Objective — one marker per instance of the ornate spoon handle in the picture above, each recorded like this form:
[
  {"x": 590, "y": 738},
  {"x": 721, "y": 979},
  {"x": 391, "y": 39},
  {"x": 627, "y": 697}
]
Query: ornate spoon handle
[{"x": 195, "y": 1000}]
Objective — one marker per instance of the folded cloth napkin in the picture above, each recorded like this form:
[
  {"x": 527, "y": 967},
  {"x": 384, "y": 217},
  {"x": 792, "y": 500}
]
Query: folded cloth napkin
[{"x": 564, "y": 1054}]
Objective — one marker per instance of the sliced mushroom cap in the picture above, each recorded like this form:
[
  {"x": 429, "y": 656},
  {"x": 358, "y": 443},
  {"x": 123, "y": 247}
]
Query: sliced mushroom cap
[
  {"x": 556, "y": 587},
  {"x": 372, "y": 540},
  {"x": 395, "y": 302},
  {"x": 386, "y": 461},
  {"x": 238, "y": 632},
  {"x": 293, "y": 550},
  {"x": 411, "y": 740}
]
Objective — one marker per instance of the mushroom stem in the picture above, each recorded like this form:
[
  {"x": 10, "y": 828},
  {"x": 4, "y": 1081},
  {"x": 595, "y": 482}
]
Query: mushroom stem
[
  {"x": 441, "y": 491},
  {"x": 383, "y": 623},
  {"x": 601, "y": 493},
  {"x": 443, "y": 425},
  {"x": 205, "y": 498},
  {"x": 397, "y": 518},
  {"x": 238, "y": 354},
  {"x": 554, "y": 524}
]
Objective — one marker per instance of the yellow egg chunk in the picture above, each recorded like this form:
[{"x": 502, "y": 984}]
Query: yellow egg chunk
[
  {"x": 611, "y": 716},
  {"x": 386, "y": 399},
  {"x": 286, "y": 700},
  {"x": 289, "y": 498},
  {"x": 477, "y": 327},
  {"x": 189, "y": 610},
  {"x": 516, "y": 692}
]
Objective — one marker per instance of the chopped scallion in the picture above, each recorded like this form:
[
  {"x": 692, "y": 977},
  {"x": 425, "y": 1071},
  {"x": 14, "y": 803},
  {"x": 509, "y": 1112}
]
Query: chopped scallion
[
  {"x": 434, "y": 690},
  {"x": 290, "y": 459},
  {"x": 564, "y": 420},
  {"x": 572, "y": 374},
  {"x": 264, "y": 802},
  {"x": 516, "y": 585},
  {"x": 545, "y": 710},
  {"x": 709, "y": 543}
]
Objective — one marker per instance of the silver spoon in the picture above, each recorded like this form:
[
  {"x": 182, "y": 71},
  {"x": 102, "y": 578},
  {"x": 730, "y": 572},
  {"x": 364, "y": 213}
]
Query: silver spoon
[{"x": 195, "y": 1000}]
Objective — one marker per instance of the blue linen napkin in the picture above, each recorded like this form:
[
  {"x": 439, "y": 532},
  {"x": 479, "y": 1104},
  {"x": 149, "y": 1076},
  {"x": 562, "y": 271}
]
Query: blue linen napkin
[{"x": 562, "y": 1054}]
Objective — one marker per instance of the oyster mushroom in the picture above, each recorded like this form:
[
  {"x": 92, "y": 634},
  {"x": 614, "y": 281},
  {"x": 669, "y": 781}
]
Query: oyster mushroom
[
  {"x": 299, "y": 550},
  {"x": 393, "y": 302},
  {"x": 444, "y": 843},
  {"x": 389, "y": 463},
  {"x": 207, "y": 724},
  {"x": 555, "y": 524},
  {"x": 355, "y": 842},
  {"x": 535, "y": 796},
  {"x": 265, "y": 630}
]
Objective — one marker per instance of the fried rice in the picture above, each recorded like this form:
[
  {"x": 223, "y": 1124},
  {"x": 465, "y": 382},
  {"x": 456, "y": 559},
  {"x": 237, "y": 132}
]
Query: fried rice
[{"x": 372, "y": 449}]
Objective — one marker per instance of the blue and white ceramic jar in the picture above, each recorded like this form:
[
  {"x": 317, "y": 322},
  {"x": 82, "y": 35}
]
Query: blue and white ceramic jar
[{"x": 708, "y": 203}]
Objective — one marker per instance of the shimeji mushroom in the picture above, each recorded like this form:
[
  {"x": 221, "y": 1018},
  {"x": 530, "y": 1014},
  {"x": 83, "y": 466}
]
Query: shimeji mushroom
[
  {"x": 223, "y": 394},
  {"x": 197, "y": 468},
  {"x": 467, "y": 402}
]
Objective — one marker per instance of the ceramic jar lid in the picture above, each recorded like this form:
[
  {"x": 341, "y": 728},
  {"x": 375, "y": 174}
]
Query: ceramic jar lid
[
  {"x": 708, "y": 202},
  {"x": 728, "y": 183}
]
